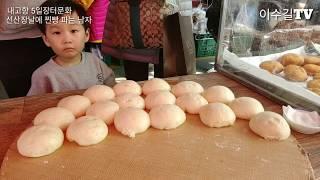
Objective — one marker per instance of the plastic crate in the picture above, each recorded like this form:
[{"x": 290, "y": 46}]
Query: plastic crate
[{"x": 205, "y": 45}]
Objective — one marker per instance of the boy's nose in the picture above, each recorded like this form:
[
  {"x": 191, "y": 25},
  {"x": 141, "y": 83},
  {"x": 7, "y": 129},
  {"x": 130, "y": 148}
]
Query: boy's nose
[{"x": 67, "y": 38}]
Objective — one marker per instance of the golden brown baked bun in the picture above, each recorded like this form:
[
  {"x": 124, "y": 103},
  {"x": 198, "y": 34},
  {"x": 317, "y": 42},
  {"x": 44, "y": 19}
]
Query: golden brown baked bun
[
  {"x": 315, "y": 90},
  {"x": 316, "y": 75},
  {"x": 313, "y": 84},
  {"x": 312, "y": 60},
  {"x": 291, "y": 58},
  {"x": 295, "y": 73},
  {"x": 311, "y": 69},
  {"x": 273, "y": 67}
]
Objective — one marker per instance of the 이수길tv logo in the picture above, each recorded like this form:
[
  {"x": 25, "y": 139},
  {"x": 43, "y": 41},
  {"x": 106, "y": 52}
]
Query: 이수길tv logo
[{"x": 288, "y": 14}]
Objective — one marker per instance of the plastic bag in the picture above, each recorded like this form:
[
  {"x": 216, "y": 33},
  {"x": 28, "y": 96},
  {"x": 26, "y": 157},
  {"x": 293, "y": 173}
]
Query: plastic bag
[
  {"x": 286, "y": 35},
  {"x": 199, "y": 21},
  {"x": 243, "y": 29},
  {"x": 244, "y": 24}
]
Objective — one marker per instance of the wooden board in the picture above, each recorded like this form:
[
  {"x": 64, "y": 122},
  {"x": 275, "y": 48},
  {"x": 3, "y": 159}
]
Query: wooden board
[{"x": 192, "y": 151}]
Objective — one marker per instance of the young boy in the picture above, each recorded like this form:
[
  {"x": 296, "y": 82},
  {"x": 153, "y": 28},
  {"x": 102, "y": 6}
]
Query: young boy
[{"x": 65, "y": 30}]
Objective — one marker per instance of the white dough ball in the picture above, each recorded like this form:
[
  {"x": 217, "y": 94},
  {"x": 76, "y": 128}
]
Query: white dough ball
[
  {"x": 246, "y": 107},
  {"x": 220, "y": 94},
  {"x": 87, "y": 130},
  {"x": 185, "y": 87},
  {"x": 156, "y": 98},
  {"x": 217, "y": 115},
  {"x": 99, "y": 93},
  {"x": 54, "y": 116},
  {"x": 40, "y": 140},
  {"x": 270, "y": 125},
  {"x": 77, "y": 104},
  {"x": 167, "y": 116},
  {"x": 191, "y": 102},
  {"x": 155, "y": 84},
  {"x": 130, "y": 100},
  {"x": 127, "y": 86},
  {"x": 131, "y": 121},
  {"x": 104, "y": 110}
]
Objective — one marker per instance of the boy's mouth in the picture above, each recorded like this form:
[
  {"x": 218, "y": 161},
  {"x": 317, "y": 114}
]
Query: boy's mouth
[{"x": 68, "y": 49}]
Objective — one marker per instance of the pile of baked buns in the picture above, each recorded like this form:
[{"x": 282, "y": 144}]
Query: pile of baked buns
[
  {"x": 296, "y": 68},
  {"x": 132, "y": 109}
]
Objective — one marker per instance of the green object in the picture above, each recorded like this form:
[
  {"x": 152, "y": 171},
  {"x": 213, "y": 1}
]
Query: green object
[
  {"x": 241, "y": 43},
  {"x": 107, "y": 59},
  {"x": 205, "y": 45}
]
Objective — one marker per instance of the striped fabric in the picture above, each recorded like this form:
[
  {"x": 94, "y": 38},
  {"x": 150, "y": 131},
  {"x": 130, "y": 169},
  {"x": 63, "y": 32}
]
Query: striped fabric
[{"x": 98, "y": 11}]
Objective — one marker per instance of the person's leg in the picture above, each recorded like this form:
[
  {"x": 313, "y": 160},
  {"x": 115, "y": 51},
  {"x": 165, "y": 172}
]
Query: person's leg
[
  {"x": 137, "y": 71},
  {"x": 19, "y": 58},
  {"x": 158, "y": 68}
]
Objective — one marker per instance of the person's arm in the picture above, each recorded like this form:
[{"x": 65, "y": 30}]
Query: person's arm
[
  {"x": 110, "y": 80},
  {"x": 108, "y": 74},
  {"x": 40, "y": 84}
]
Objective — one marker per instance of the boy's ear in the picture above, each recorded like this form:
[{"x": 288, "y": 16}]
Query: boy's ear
[
  {"x": 45, "y": 40},
  {"x": 87, "y": 33}
]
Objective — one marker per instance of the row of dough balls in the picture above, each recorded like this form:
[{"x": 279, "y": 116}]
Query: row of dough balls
[{"x": 85, "y": 117}]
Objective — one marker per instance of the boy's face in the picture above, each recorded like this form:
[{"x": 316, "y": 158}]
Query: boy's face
[{"x": 66, "y": 38}]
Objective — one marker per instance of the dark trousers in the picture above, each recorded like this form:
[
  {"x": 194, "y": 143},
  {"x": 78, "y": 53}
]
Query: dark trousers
[
  {"x": 18, "y": 59},
  {"x": 139, "y": 71}
]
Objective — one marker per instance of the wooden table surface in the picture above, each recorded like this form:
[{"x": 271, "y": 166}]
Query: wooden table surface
[{"x": 16, "y": 114}]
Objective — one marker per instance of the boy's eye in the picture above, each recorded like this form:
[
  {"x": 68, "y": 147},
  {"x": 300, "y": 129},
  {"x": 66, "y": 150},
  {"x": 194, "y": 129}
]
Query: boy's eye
[
  {"x": 56, "y": 33},
  {"x": 74, "y": 30}
]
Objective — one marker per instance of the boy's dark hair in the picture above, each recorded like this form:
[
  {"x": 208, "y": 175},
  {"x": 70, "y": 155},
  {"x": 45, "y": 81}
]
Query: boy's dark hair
[{"x": 61, "y": 4}]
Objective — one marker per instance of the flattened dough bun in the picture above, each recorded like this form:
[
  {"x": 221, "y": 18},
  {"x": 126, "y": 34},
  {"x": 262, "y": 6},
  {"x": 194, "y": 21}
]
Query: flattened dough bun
[
  {"x": 167, "y": 116},
  {"x": 291, "y": 58},
  {"x": 155, "y": 84},
  {"x": 312, "y": 60},
  {"x": 54, "y": 116},
  {"x": 87, "y": 130},
  {"x": 274, "y": 67},
  {"x": 218, "y": 94},
  {"x": 156, "y": 98},
  {"x": 99, "y": 93},
  {"x": 127, "y": 86},
  {"x": 40, "y": 140},
  {"x": 104, "y": 110},
  {"x": 131, "y": 121},
  {"x": 217, "y": 115},
  {"x": 77, "y": 104},
  {"x": 185, "y": 87},
  {"x": 130, "y": 100},
  {"x": 295, "y": 73},
  {"x": 270, "y": 125},
  {"x": 311, "y": 69},
  {"x": 191, "y": 102},
  {"x": 246, "y": 107}
]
